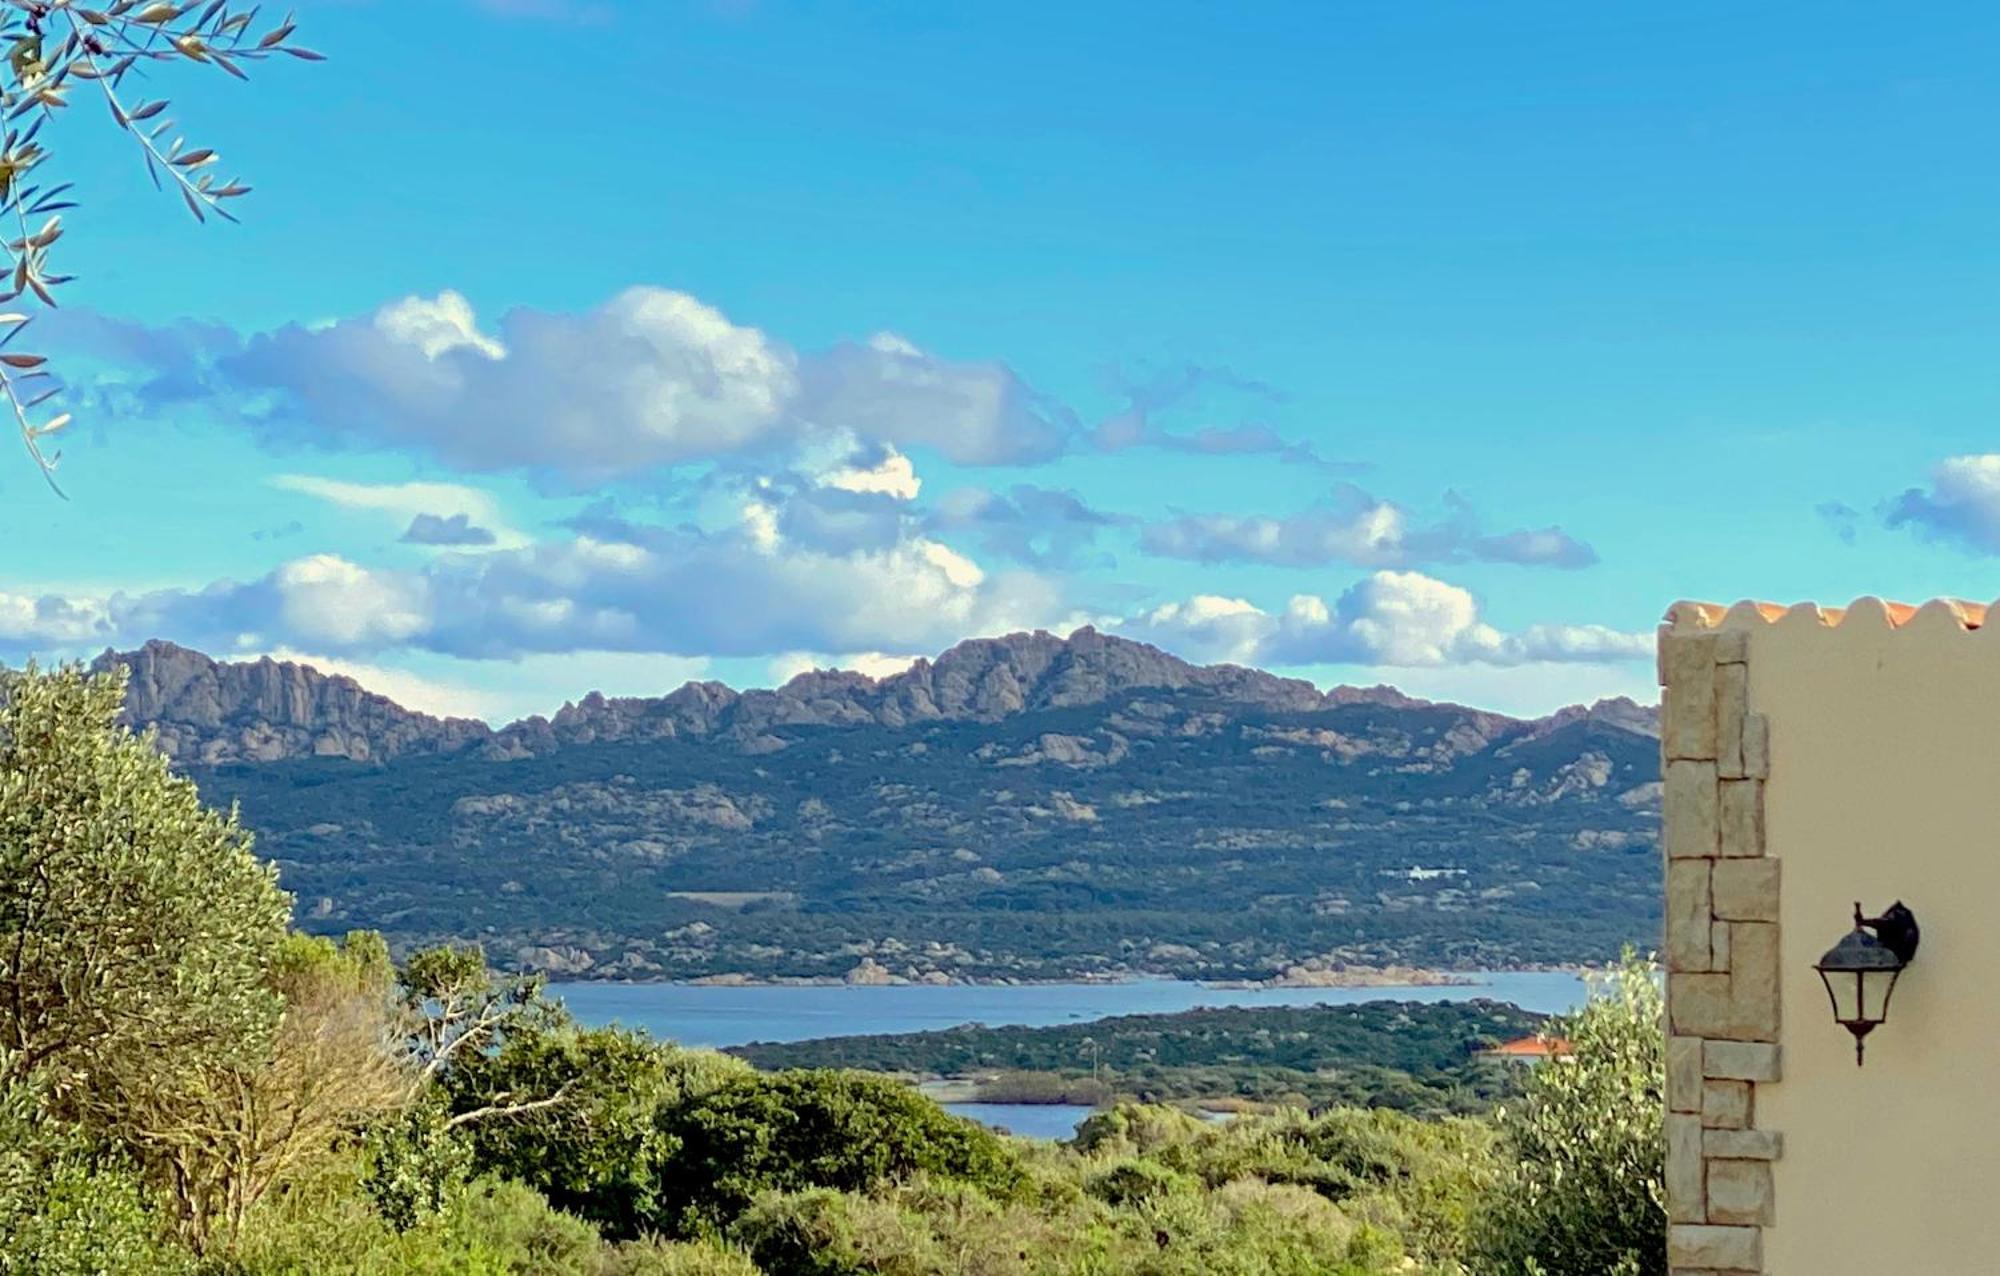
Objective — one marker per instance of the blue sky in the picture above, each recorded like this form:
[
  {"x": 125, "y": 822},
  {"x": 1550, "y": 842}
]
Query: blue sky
[{"x": 606, "y": 344}]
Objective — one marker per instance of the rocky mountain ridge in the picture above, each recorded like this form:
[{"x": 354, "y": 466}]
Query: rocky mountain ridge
[
  {"x": 208, "y": 712},
  {"x": 1028, "y": 807}
]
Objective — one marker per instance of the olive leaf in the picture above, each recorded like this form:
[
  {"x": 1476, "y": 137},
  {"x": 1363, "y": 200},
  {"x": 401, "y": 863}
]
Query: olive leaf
[{"x": 53, "y": 46}]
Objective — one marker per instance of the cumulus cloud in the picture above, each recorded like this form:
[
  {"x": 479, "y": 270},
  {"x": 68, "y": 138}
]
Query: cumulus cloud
[
  {"x": 1355, "y": 527},
  {"x": 651, "y": 378},
  {"x": 1207, "y": 627},
  {"x": 1389, "y": 618},
  {"x": 742, "y": 591},
  {"x": 1040, "y": 526},
  {"x": 1962, "y": 504},
  {"x": 972, "y": 413},
  {"x": 888, "y": 474}
]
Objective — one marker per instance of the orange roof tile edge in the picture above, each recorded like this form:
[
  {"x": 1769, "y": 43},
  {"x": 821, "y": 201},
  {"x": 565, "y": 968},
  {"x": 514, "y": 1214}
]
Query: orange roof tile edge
[
  {"x": 1948, "y": 611},
  {"x": 1532, "y": 1046}
]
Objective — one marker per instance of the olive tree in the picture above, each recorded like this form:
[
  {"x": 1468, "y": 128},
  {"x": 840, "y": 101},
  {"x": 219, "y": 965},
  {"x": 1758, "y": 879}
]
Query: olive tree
[
  {"x": 55, "y": 52},
  {"x": 1584, "y": 1194},
  {"x": 136, "y": 926}
]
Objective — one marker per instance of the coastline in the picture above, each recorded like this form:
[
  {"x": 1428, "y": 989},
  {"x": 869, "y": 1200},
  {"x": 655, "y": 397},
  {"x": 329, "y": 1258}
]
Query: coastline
[{"x": 1350, "y": 977}]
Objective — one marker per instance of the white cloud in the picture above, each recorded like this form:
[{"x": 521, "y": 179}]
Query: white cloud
[
  {"x": 328, "y": 599},
  {"x": 52, "y": 621},
  {"x": 435, "y": 326},
  {"x": 410, "y": 690},
  {"x": 892, "y": 475},
  {"x": 1354, "y": 527},
  {"x": 407, "y": 502},
  {"x": 1398, "y": 619},
  {"x": 873, "y": 664},
  {"x": 665, "y": 591},
  {"x": 651, "y": 378},
  {"x": 1206, "y": 627}
]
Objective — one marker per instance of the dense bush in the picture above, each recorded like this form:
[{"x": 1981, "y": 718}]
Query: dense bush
[
  {"x": 67, "y": 1207},
  {"x": 602, "y": 1152},
  {"x": 790, "y": 1131}
]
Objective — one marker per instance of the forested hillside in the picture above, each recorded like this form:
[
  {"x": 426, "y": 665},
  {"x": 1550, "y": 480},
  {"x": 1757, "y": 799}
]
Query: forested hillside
[{"x": 1029, "y": 807}]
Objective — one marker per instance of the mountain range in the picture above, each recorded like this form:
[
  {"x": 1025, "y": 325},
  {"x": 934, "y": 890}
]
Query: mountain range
[{"x": 1030, "y": 806}]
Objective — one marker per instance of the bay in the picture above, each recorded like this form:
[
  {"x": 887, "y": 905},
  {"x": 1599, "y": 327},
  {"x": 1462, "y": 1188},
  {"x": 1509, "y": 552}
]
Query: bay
[
  {"x": 725, "y": 1015},
  {"x": 718, "y": 1015}
]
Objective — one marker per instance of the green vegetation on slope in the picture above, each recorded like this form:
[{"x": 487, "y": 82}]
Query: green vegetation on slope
[
  {"x": 1411, "y": 1056},
  {"x": 1233, "y": 842}
]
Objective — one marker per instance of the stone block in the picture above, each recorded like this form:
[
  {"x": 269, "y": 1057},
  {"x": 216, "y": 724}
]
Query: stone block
[
  {"x": 1745, "y": 890},
  {"x": 1739, "y": 1192},
  {"x": 1741, "y": 1005},
  {"x": 1699, "y": 1005},
  {"x": 1728, "y": 1249},
  {"x": 1718, "y": 945},
  {"x": 1686, "y": 1170},
  {"x": 1741, "y": 1061},
  {"x": 1740, "y": 805},
  {"x": 1684, "y": 1074},
  {"x": 1690, "y": 807},
  {"x": 1754, "y": 982},
  {"x": 1732, "y": 705},
  {"x": 1690, "y": 914},
  {"x": 1725, "y": 1105},
  {"x": 1757, "y": 746},
  {"x": 1687, "y": 722},
  {"x": 1732, "y": 646},
  {"x": 1743, "y": 1145}
]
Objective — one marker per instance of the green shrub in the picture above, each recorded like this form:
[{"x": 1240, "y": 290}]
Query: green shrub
[
  {"x": 672, "y": 1258},
  {"x": 822, "y": 1232},
  {"x": 1135, "y": 1128},
  {"x": 417, "y": 1165},
  {"x": 66, "y": 1207},
  {"x": 329, "y": 1227},
  {"x": 791, "y": 1131},
  {"x": 601, "y": 1152},
  {"x": 1136, "y": 1182}
]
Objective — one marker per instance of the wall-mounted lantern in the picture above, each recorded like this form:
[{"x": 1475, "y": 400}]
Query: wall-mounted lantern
[{"x": 1860, "y": 971}]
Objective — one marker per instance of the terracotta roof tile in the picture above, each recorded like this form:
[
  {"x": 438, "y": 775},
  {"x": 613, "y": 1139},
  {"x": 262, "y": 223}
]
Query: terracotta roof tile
[
  {"x": 1938, "y": 611},
  {"x": 1532, "y": 1048}
]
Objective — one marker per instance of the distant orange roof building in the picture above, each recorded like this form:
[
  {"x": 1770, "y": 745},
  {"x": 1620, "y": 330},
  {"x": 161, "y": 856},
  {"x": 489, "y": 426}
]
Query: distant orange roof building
[{"x": 1530, "y": 1050}]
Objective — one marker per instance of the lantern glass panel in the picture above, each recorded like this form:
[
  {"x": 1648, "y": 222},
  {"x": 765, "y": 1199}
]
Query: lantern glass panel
[
  {"x": 1845, "y": 988},
  {"x": 1876, "y": 987}
]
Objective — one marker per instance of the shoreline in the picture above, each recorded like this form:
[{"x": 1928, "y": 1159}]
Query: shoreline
[{"x": 1352, "y": 977}]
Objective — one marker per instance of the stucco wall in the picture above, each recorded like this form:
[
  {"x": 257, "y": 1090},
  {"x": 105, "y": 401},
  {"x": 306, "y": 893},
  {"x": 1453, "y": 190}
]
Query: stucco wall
[{"x": 1883, "y": 784}]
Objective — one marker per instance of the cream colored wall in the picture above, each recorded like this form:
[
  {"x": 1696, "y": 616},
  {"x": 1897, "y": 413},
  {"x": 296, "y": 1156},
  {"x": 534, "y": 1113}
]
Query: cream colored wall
[{"x": 1885, "y": 784}]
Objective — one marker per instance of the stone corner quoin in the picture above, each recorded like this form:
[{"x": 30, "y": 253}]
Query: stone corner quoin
[{"x": 1723, "y": 1005}]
